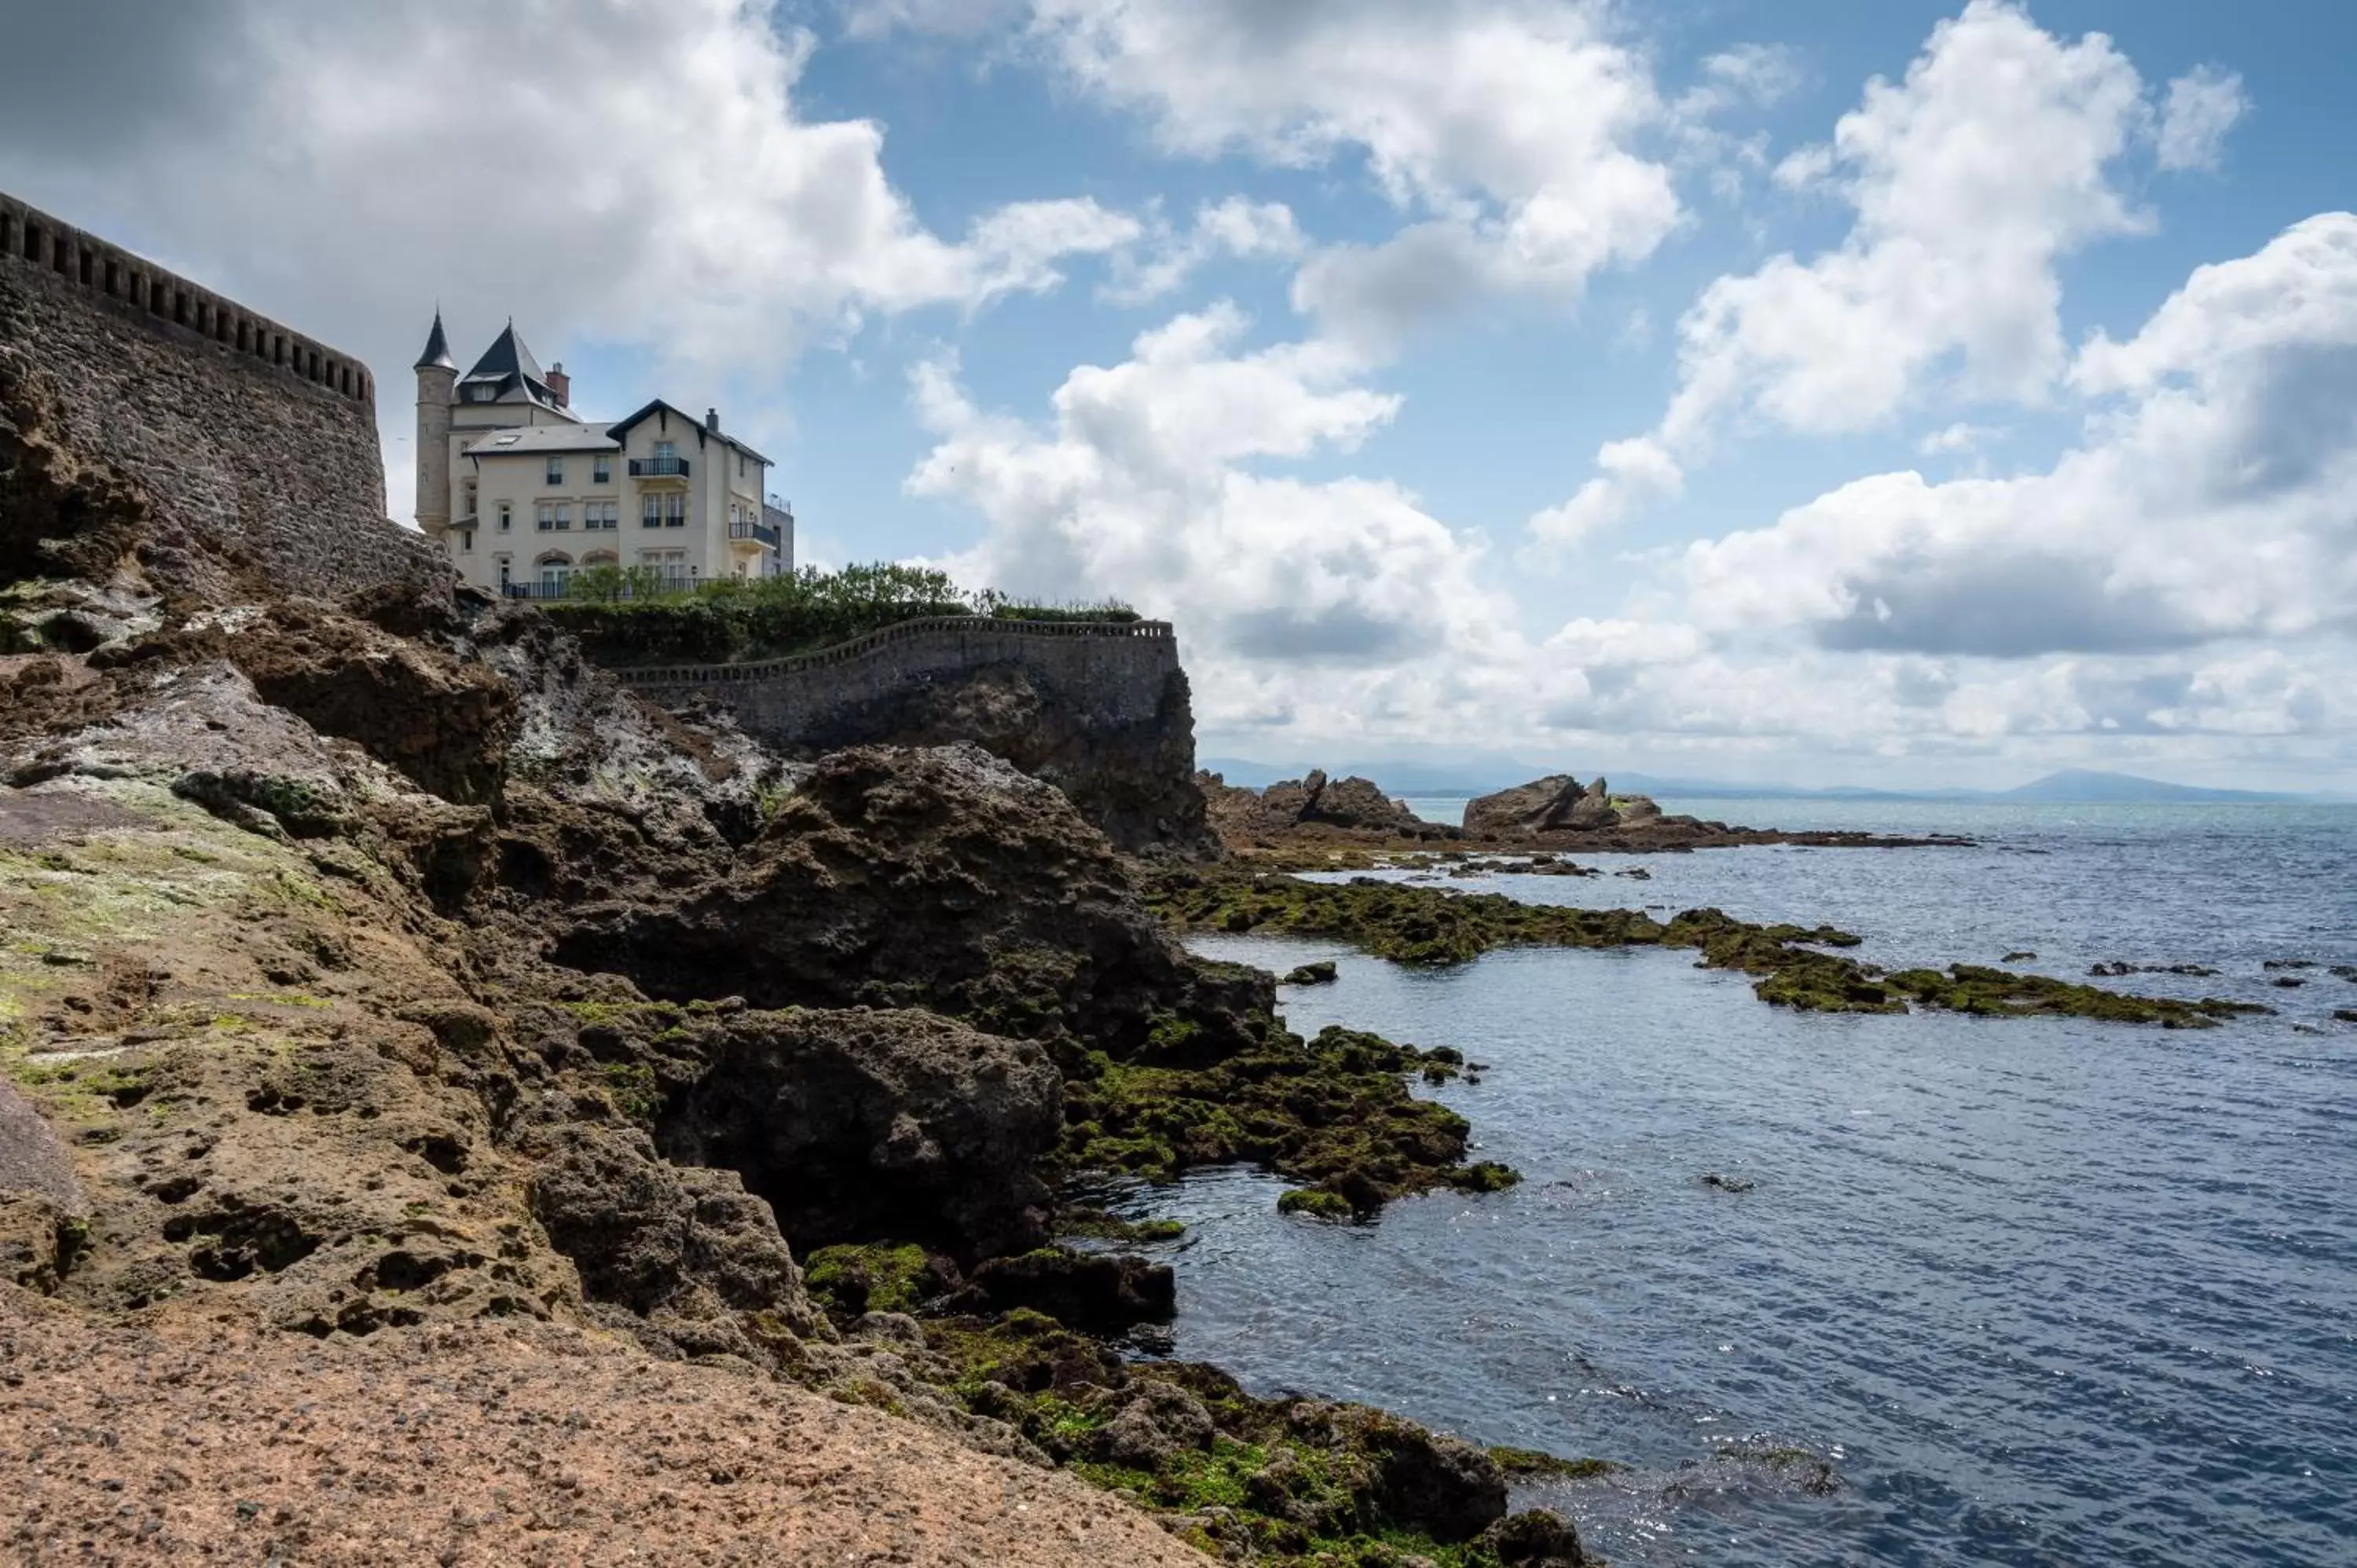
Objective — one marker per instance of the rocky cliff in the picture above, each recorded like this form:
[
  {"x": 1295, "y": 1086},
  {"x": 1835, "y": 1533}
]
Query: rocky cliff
[
  {"x": 375, "y": 971},
  {"x": 1102, "y": 714}
]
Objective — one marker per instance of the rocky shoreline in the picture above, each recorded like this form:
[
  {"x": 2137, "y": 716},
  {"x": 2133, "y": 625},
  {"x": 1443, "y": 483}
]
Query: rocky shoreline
[
  {"x": 1315, "y": 822},
  {"x": 408, "y": 1003}
]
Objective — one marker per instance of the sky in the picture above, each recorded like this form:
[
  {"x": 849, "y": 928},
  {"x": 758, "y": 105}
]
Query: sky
[{"x": 1819, "y": 392}]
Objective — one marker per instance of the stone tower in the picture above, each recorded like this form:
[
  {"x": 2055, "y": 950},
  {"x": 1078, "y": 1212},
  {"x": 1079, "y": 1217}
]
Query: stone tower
[{"x": 437, "y": 379}]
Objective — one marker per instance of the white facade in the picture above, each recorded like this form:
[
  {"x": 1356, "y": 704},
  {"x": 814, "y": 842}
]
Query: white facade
[{"x": 524, "y": 492}]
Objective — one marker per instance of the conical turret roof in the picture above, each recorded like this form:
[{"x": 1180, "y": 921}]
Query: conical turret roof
[{"x": 437, "y": 348}]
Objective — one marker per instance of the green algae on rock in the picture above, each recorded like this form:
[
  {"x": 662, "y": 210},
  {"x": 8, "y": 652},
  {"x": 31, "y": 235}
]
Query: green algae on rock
[
  {"x": 1997, "y": 992},
  {"x": 1427, "y": 926},
  {"x": 1332, "y": 1112},
  {"x": 1283, "y": 1481}
]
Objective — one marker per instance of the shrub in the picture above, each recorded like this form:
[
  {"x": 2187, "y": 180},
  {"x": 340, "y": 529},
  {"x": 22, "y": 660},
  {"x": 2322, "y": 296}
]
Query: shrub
[{"x": 624, "y": 611}]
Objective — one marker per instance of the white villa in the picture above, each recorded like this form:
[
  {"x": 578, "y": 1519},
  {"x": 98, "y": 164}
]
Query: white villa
[{"x": 524, "y": 492}]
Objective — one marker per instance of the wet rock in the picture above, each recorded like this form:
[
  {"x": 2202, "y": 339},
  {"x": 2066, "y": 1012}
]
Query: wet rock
[
  {"x": 857, "y": 1121},
  {"x": 1728, "y": 1183},
  {"x": 1535, "y": 1538},
  {"x": 1157, "y": 1421},
  {"x": 2019, "y": 955},
  {"x": 1322, "y": 972},
  {"x": 1098, "y": 1293},
  {"x": 1441, "y": 1485}
]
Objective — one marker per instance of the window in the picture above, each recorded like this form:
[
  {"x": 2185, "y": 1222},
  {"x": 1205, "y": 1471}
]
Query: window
[
  {"x": 547, "y": 517},
  {"x": 556, "y": 571},
  {"x": 507, "y": 515},
  {"x": 556, "y": 470},
  {"x": 674, "y": 510},
  {"x": 603, "y": 469},
  {"x": 666, "y": 450},
  {"x": 471, "y": 499},
  {"x": 467, "y": 541},
  {"x": 563, "y": 517},
  {"x": 650, "y": 513}
]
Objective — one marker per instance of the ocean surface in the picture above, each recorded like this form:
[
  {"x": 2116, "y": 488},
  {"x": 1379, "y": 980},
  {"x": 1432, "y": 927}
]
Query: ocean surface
[{"x": 2042, "y": 1291}]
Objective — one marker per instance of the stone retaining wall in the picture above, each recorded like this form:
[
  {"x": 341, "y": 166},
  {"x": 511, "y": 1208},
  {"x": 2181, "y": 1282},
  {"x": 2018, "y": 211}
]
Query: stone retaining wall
[
  {"x": 1101, "y": 709},
  {"x": 255, "y": 441}
]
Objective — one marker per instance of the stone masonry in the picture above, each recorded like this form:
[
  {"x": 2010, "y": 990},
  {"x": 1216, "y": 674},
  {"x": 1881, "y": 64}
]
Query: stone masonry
[
  {"x": 254, "y": 438},
  {"x": 1100, "y": 710}
]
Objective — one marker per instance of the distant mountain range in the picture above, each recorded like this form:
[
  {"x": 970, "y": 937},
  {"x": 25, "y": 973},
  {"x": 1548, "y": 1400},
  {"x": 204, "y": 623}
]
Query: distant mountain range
[{"x": 1478, "y": 773}]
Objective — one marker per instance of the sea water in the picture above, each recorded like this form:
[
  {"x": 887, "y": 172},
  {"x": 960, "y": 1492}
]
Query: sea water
[{"x": 2041, "y": 1291}]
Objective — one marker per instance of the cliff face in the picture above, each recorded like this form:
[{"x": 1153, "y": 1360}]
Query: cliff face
[
  {"x": 1106, "y": 719},
  {"x": 373, "y": 969}
]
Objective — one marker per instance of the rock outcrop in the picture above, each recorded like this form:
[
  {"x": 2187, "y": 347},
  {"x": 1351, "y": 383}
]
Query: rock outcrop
[
  {"x": 383, "y": 973},
  {"x": 1555, "y": 805},
  {"x": 1312, "y": 804}
]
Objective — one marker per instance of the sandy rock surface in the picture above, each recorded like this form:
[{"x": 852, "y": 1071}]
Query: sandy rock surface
[{"x": 489, "y": 1444}]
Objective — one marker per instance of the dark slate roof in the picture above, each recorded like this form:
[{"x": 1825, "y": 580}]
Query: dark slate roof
[
  {"x": 622, "y": 427},
  {"x": 437, "y": 348},
  {"x": 507, "y": 356},
  {"x": 508, "y": 367}
]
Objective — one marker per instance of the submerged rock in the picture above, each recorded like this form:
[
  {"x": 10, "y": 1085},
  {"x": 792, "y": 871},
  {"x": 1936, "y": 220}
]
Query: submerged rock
[{"x": 1322, "y": 972}]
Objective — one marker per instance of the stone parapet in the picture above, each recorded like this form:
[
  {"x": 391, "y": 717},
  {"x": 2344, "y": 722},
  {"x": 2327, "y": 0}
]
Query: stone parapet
[
  {"x": 31, "y": 237},
  {"x": 252, "y": 447}
]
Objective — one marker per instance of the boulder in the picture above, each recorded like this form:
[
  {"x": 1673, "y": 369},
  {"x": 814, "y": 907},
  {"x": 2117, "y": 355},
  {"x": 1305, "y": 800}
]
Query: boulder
[
  {"x": 1097, "y": 1293},
  {"x": 861, "y": 1122},
  {"x": 1535, "y": 1538},
  {"x": 1313, "y": 800},
  {"x": 1159, "y": 1422},
  {"x": 1590, "y": 812},
  {"x": 1429, "y": 1481},
  {"x": 940, "y": 878},
  {"x": 1535, "y": 807}
]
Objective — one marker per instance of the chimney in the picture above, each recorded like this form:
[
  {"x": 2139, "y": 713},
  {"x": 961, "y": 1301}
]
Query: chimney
[
  {"x": 561, "y": 384},
  {"x": 711, "y": 420}
]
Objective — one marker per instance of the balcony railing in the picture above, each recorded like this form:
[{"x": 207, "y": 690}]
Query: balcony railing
[
  {"x": 640, "y": 585},
  {"x": 658, "y": 467}
]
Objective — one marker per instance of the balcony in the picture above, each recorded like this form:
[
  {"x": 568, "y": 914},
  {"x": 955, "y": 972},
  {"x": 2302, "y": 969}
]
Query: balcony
[
  {"x": 658, "y": 467},
  {"x": 747, "y": 533},
  {"x": 636, "y": 582}
]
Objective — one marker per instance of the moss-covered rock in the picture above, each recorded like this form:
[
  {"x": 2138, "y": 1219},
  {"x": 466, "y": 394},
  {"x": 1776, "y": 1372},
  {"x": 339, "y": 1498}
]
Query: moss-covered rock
[
  {"x": 1997, "y": 992},
  {"x": 1428, "y": 926},
  {"x": 1333, "y": 1113}
]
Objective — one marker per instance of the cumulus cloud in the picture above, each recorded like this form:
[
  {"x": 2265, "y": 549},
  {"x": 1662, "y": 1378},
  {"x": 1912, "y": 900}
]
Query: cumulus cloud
[
  {"x": 1960, "y": 439},
  {"x": 618, "y": 169},
  {"x": 1146, "y": 484},
  {"x": 1636, "y": 472},
  {"x": 1235, "y": 229},
  {"x": 2202, "y": 107},
  {"x": 2210, "y": 501},
  {"x": 1508, "y": 130},
  {"x": 1999, "y": 154}
]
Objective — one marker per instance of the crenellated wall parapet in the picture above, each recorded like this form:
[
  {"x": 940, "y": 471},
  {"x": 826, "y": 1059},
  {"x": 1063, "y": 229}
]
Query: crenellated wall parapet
[
  {"x": 251, "y": 448},
  {"x": 30, "y": 237}
]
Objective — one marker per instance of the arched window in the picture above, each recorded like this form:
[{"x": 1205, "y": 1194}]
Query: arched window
[
  {"x": 555, "y": 570},
  {"x": 600, "y": 558}
]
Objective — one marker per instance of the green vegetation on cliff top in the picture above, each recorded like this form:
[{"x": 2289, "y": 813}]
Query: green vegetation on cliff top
[{"x": 624, "y": 612}]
